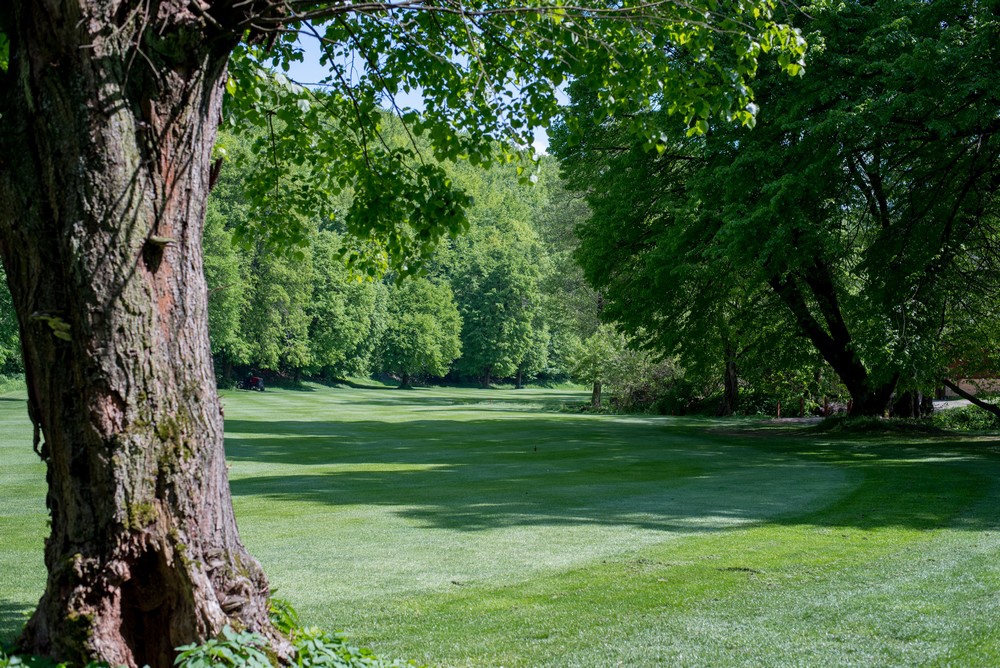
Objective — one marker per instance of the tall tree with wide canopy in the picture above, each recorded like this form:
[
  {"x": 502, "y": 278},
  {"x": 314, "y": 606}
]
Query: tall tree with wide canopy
[
  {"x": 864, "y": 201},
  {"x": 651, "y": 248},
  {"x": 109, "y": 114}
]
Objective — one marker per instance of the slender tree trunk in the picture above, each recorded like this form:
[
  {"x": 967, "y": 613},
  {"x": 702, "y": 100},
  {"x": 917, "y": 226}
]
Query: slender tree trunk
[
  {"x": 404, "y": 381},
  {"x": 595, "y": 395},
  {"x": 487, "y": 377},
  {"x": 731, "y": 388},
  {"x": 108, "y": 124},
  {"x": 227, "y": 367},
  {"x": 519, "y": 380}
]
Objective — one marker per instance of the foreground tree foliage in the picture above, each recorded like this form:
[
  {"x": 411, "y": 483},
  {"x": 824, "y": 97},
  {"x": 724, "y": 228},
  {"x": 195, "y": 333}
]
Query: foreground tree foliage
[
  {"x": 110, "y": 110},
  {"x": 860, "y": 211}
]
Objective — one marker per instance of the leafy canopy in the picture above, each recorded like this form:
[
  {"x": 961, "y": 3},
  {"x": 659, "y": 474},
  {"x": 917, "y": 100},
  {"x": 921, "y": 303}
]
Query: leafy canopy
[
  {"x": 864, "y": 200},
  {"x": 487, "y": 73}
]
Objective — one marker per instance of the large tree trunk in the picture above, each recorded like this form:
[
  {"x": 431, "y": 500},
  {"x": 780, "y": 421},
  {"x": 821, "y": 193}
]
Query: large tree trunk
[
  {"x": 109, "y": 117},
  {"x": 834, "y": 341}
]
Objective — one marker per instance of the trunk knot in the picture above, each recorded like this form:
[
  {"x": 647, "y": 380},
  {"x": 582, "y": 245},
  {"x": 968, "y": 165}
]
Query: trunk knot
[{"x": 152, "y": 251}]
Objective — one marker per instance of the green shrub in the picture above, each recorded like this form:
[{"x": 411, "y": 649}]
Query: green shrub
[
  {"x": 314, "y": 647},
  {"x": 10, "y": 383},
  {"x": 966, "y": 418},
  {"x": 233, "y": 649},
  {"x": 10, "y": 660},
  {"x": 284, "y": 617}
]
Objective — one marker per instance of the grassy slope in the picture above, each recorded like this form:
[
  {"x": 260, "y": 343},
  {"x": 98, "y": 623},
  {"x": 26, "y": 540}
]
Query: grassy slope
[{"x": 464, "y": 527}]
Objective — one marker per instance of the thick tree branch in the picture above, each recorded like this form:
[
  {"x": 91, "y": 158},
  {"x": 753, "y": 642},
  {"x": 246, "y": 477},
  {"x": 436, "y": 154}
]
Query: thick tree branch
[
  {"x": 820, "y": 282},
  {"x": 791, "y": 295},
  {"x": 971, "y": 398}
]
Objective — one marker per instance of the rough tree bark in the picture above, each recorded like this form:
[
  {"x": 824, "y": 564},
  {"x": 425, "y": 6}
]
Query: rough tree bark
[{"x": 109, "y": 114}]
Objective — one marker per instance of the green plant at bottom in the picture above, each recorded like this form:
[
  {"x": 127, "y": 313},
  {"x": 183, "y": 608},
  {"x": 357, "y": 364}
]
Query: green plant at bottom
[
  {"x": 232, "y": 648},
  {"x": 243, "y": 649},
  {"x": 10, "y": 660},
  {"x": 314, "y": 647}
]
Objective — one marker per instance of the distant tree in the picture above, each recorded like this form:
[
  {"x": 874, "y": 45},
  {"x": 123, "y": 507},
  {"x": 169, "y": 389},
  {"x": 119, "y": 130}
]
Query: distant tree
[
  {"x": 10, "y": 339},
  {"x": 591, "y": 361},
  {"x": 422, "y": 330},
  {"x": 609, "y": 362},
  {"x": 536, "y": 357},
  {"x": 228, "y": 292},
  {"x": 347, "y": 314},
  {"x": 570, "y": 305},
  {"x": 496, "y": 287},
  {"x": 276, "y": 322}
]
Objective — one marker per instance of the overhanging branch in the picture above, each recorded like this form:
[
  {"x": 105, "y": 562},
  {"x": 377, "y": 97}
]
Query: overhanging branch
[{"x": 971, "y": 398}]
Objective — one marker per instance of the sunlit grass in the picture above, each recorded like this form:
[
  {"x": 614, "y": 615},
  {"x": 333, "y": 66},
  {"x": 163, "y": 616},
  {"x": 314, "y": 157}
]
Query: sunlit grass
[{"x": 484, "y": 528}]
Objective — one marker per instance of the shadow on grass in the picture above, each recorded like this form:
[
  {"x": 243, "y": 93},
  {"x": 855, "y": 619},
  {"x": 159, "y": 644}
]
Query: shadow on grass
[
  {"x": 373, "y": 385},
  {"x": 13, "y": 617},
  {"x": 483, "y": 474},
  {"x": 420, "y": 397}
]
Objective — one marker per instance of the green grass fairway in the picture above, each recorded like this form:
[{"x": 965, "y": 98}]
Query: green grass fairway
[{"x": 464, "y": 527}]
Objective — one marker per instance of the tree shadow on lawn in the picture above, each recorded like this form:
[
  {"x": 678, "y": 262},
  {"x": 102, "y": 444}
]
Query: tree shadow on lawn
[
  {"x": 429, "y": 397},
  {"x": 13, "y": 617},
  {"x": 485, "y": 474}
]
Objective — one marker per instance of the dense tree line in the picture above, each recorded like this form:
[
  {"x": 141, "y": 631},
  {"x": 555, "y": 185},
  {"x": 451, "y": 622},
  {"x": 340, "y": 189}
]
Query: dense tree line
[
  {"x": 505, "y": 301},
  {"x": 486, "y": 307}
]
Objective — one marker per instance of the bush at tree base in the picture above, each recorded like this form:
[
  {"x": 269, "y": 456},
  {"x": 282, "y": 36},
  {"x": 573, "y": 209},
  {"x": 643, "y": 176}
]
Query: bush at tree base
[{"x": 241, "y": 649}]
